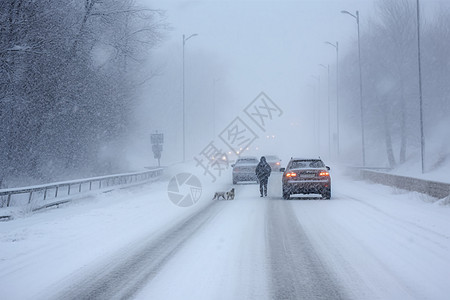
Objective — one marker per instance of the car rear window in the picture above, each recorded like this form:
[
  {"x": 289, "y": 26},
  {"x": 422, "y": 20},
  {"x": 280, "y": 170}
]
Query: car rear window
[
  {"x": 247, "y": 161},
  {"x": 298, "y": 164},
  {"x": 272, "y": 158}
]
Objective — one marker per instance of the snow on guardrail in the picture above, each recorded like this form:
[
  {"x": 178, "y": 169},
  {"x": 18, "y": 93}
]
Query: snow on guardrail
[
  {"x": 433, "y": 188},
  {"x": 46, "y": 195}
]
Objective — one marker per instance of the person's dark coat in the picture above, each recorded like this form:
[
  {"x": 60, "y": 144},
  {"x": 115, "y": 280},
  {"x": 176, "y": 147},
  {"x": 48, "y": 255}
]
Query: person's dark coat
[{"x": 263, "y": 170}]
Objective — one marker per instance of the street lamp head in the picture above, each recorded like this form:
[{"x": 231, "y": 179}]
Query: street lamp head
[
  {"x": 349, "y": 13},
  {"x": 331, "y": 44},
  {"x": 186, "y": 38}
]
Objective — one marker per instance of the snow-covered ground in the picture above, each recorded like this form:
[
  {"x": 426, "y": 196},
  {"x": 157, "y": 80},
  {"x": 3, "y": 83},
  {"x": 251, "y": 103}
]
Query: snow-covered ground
[{"x": 368, "y": 242}]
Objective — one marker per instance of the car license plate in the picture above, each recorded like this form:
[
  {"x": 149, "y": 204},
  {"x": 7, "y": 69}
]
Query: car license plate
[{"x": 307, "y": 175}]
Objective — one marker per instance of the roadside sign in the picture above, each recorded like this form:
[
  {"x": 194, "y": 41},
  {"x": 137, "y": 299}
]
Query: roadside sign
[{"x": 157, "y": 138}]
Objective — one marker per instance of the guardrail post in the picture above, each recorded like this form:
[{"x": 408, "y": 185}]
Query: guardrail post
[
  {"x": 90, "y": 185},
  {"x": 68, "y": 190},
  {"x": 56, "y": 192},
  {"x": 9, "y": 200},
  {"x": 79, "y": 188},
  {"x": 29, "y": 198},
  {"x": 45, "y": 193}
]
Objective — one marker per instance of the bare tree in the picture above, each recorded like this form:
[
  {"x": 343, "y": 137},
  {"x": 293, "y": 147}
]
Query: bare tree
[
  {"x": 390, "y": 70},
  {"x": 397, "y": 35},
  {"x": 56, "y": 104}
]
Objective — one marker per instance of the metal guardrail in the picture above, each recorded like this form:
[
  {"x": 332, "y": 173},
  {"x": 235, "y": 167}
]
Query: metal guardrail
[
  {"x": 433, "y": 188},
  {"x": 54, "y": 190}
]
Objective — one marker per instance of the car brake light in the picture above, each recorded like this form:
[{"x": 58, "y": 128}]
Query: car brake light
[
  {"x": 278, "y": 163},
  {"x": 291, "y": 174},
  {"x": 324, "y": 173}
]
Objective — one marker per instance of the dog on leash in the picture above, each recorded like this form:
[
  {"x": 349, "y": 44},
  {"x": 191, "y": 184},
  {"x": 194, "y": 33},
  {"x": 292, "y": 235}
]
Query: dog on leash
[
  {"x": 230, "y": 194},
  {"x": 217, "y": 195},
  {"x": 225, "y": 195}
]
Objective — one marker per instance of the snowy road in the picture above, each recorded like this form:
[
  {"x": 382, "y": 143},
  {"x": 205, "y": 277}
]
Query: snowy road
[
  {"x": 367, "y": 242},
  {"x": 296, "y": 270}
]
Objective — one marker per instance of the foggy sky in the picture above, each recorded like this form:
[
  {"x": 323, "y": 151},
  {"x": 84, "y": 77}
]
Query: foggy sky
[
  {"x": 243, "y": 48},
  {"x": 265, "y": 45}
]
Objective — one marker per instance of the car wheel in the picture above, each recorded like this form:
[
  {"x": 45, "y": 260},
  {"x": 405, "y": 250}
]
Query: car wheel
[
  {"x": 327, "y": 194},
  {"x": 286, "y": 193}
]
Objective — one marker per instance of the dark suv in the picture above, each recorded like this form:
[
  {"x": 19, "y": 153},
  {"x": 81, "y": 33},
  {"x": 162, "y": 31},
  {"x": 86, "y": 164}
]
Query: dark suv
[{"x": 306, "y": 176}]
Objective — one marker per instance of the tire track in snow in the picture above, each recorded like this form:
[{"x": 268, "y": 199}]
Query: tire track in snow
[
  {"x": 296, "y": 270},
  {"x": 422, "y": 232},
  {"x": 124, "y": 274}
]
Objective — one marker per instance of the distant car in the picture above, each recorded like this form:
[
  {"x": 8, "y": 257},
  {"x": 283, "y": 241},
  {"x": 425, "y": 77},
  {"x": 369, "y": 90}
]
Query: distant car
[
  {"x": 274, "y": 162},
  {"x": 244, "y": 169},
  {"x": 306, "y": 176}
]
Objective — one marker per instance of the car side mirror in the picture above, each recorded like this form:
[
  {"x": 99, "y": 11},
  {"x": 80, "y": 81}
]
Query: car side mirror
[
  {"x": 328, "y": 168},
  {"x": 232, "y": 165},
  {"x": 282, "y": 169}
]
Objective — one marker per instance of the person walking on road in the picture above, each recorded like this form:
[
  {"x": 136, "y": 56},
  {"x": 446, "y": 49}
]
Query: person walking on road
[{"x": 263, "y": 170}]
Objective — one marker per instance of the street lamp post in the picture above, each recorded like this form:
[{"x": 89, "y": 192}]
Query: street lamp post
[
  {"x": 327, "y": 67},
  {"x": 184, "y": 117},
  {"x": 360, "y": 85},
  {"x": 422, "y": 139},
  {"x": 336, "y": 46},
  {"x": 314, "y": 95},
  {"x": 316, "y": 114},
  {"x": 214, "y": 106}
]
